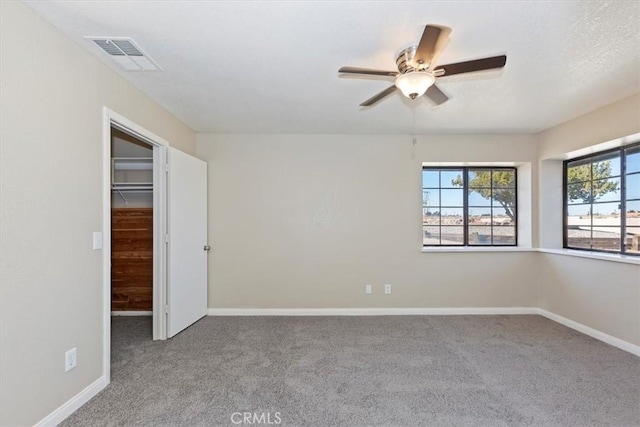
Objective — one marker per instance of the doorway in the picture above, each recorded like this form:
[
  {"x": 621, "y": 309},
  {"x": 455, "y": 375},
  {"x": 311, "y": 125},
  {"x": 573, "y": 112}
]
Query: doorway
[
  {"x": 179, "y": 239},
  {"x": 154, "y": 190}
]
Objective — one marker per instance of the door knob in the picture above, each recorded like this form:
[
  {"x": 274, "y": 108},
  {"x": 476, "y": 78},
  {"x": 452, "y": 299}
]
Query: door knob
[{"x": 206, "y": 247}]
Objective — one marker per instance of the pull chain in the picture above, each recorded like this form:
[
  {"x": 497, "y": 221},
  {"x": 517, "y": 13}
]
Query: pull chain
[{"x": 414, "y": 140}]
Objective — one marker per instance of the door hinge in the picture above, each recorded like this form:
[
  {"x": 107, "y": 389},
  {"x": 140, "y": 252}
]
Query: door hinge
[
  {"x": 166, "y": 168},
  {"x": 166, "y": 309},
  {"x": 166, "y": 238}
]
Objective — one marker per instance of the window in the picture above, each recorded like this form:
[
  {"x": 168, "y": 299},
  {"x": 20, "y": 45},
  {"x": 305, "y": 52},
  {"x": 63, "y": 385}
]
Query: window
[
  {"x": 602, "y": 201},
  {"x": 469, "y": 206}
]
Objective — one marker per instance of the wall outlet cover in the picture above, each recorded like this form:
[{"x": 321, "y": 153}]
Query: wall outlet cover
[{"x": 70, "y": 359}]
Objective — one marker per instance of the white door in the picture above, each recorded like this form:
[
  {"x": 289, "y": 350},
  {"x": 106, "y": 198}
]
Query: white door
[{"x": 187, "y": 244}]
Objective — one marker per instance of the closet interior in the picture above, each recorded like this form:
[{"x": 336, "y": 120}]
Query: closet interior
[{"x": 131, "y": 225}]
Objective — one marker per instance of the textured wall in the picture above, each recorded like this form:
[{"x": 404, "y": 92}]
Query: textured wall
[{"x": 53, "y": 92}]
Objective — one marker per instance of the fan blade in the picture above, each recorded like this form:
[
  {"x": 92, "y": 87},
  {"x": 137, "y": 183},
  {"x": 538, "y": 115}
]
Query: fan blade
[
  {"x": 471, "y": 66},
  {"x": 436, "y": 95},
  {"x": 377, "y": 97},
  {"x": 432, "y": 42},
  {"x": 356, "y": 70}
]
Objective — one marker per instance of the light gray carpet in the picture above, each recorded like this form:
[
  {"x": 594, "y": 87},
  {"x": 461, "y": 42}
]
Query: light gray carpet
[{"x": 366, "y": 371}]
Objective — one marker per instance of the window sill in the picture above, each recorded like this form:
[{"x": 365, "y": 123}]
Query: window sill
[
  {"x": 593, "y": 255},
  {"x": 444, "y": 249},
  {"x": 567, "y": 252}
]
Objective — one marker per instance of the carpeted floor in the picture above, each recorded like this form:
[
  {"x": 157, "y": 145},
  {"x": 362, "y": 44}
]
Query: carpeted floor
[{"x": 365, "y": 371}]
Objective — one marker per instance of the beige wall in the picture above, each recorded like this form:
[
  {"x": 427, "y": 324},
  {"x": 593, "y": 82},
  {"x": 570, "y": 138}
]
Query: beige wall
[
  {"x": 302, "y": 221},
  {"x": 613, "y": 121},
  {"x": 603, "y": 295},
  {"x": 52, "y": 94}
]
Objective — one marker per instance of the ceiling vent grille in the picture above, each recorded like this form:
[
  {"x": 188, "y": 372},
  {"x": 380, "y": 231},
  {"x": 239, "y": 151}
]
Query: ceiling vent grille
[{"x": 126, "y": 53}]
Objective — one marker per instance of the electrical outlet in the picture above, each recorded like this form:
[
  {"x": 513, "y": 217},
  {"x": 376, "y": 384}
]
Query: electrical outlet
[
  {"x": 387, "y": 289},
  {"x": 367, "y": 289},
  {"x": 70, "y": 359}
]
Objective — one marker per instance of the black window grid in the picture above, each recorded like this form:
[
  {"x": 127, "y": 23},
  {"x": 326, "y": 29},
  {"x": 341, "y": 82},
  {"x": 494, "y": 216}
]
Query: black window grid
[
  {"x": 591, "y": 159},
  {"x": 466, "y": 207}
]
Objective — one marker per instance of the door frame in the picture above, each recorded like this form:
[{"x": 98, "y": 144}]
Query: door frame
[{"x": 159, "y": 145}]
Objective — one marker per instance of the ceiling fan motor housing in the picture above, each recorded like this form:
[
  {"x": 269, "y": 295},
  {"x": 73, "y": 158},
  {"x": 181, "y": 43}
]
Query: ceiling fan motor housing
[{"x": 405, "y": 61}]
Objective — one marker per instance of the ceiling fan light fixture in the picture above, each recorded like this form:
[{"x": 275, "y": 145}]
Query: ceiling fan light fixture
[{"x": 415, "y": 83}]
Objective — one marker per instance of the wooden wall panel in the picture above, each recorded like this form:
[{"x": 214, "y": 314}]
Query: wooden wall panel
[{"x": 131, "y": 259}]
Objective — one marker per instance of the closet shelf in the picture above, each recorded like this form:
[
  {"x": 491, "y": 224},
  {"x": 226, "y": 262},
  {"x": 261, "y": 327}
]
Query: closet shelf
[
  {"x": 131, "y": 175},
  {"x": 132, "y": 163}
]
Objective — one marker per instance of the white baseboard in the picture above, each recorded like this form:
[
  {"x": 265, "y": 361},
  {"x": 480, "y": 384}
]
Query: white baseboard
[
  {"x": 593, "y": 333},
  {"x": 434, "y": 311},
  {"x": 131, "y": 313},
  {"x": 73, "y": 404}
]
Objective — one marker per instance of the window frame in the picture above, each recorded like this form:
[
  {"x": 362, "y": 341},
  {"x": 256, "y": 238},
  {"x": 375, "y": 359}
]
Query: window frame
[
  {"x": 621, "y": 151},
  {"x": 465, "y": 208}
]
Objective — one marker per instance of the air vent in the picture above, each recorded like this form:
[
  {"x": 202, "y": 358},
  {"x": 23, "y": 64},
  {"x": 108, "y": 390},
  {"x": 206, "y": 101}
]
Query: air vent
[{"x": 126, "y": 53}]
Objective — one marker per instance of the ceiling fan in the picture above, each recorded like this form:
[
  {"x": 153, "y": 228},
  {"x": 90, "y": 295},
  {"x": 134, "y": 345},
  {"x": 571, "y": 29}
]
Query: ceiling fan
[{"x": 417, "y": 72}]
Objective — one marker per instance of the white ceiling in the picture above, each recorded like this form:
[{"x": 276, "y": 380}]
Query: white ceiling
[{"x": 271, "y": 66}]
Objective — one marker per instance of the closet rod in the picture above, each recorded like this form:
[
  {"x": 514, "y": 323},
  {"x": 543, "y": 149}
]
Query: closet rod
[{"x": 130, "y": 189}]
